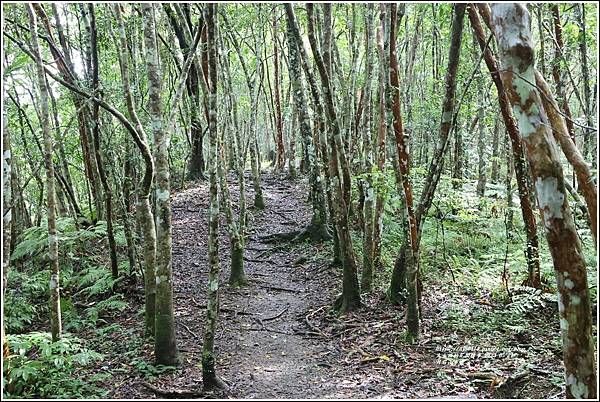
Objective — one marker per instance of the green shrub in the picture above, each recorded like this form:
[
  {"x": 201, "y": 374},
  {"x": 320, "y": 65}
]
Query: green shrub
[{"x": 40, "y": 368}]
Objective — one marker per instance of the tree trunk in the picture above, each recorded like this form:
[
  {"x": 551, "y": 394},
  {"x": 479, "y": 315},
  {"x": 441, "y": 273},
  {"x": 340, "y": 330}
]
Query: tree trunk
[
  {"x": 412, "y": 249},
  {"x": 319, "y": 128},
  {"x": 278, "y": 119},
  {"x": 144, "y": 211},
  {"x": 209, "y": 376},
  {"x": 165, "y": 344},
  {"x": 67, "y": 72},
  {"x": 436, "y": 165},
  {"x": 574, "y": 156},
  {"x": 97, "y": 152},
  {"x": 587, "y": 93},
  {"x": 495, "y": 173},
  {"x": 7, "y": 211},
  {"x": 318, "y": 229},
  {"x": 350, "y": 298},
  {"x": 366, "y": 280},
  {"x": 512, "y": 28},
  {"x": 379, "y": 146},
  {"x": 55, "y": 316},
  {"x": 557, "y": 72},
  {"x": 177, "y": 19},
  {"x": 481, "y": 180}
]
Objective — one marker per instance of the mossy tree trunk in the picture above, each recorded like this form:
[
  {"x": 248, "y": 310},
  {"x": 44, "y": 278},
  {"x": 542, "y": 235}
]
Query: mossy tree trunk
[
  {"x": 144, "y": 211},
  {"x": 412, "y": 249},
  {"x": 318, "y": 228},
  {"x": 95, "y": 123},
  {"x": 165, "y": 344},
  {"x": 511, "y": 23},
  {"x": 366, "y": 280},
  {"x": 323, "y": 157},
  {"x": 209, "y": 375},
  {"x": 55, "y": 313},
  {"x": 350, "y": 298},
  {"x": 7, "y": 209}
]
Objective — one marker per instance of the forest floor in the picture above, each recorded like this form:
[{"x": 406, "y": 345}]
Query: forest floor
[{"x": 278, "y": 338}]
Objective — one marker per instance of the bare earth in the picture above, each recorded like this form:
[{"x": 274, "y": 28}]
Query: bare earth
[{"x": 277, "y": 337}]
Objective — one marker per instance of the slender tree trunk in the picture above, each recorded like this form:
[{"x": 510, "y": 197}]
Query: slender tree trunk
[
  {"x": 380, "y": 149},
  {"x": 481, "y": 155},
  {"x": 350, "y": 298},
  {"x": 209, "y": 377},
  {"x": 55, "y": 316},
  {"x": 574, "y": 156},
  {"x": 95, "y": 122},
  {"x": 7, "y": 211},
  {"x": 436, "y": 165},
  {"x": 317, "y": 229},
  {"x": 276, "y": 81},
  {"x": 412, "y": 249},
  {"x": 495, "y": 173},
  {"x": 319, "y": 128},
  {"x": 254, "y": 92},
  {"x": 144, "y": 211},
  {"x": 587, "y": 93},
  {"x": 292, "y": 173},
  {"x": 64, "y": 65},
  {"x": 540, "y": 21},
  {"x": 509, "y": 188},
  {"x": 366, "y": 280},
  {"x": 165, "y": 344},
  {"x": 237, "y": 276},
  {"x": 127, "y": 180},
  {"x": 512, "y": 28},
  {"x": 557, "y": 73},
  {"x": 177, "y": 20},
  {"x": 67, "y": 181}
]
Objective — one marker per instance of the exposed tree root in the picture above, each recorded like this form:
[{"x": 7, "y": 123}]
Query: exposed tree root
[
  {"x": 343, "y": 305},
  {"x": 315, "y": 233},
  {"x": 216, "y": 384}
]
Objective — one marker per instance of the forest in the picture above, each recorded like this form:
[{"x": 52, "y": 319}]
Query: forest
[{"x": 299, "y": 200}]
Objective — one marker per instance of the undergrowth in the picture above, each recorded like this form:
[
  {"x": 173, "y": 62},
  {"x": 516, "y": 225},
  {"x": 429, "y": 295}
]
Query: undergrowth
[
  {"x": 468, "y": 252},
  {"x": 89, "y": 299}
]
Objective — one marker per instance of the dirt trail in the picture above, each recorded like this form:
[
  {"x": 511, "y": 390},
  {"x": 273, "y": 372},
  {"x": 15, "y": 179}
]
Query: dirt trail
[
  {"x": 277, "y": 337},
  {"x": 265, "y": 348}
]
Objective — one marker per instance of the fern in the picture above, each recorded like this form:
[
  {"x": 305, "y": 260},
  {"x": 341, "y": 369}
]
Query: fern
[
  {"x": 95, "y": 281},
  {"x": 42, "y": 368}
]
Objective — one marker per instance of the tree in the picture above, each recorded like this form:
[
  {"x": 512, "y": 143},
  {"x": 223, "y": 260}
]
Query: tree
[
  {"x": 512, "y": 30},
  {"x": 65, "y": 67},
  {"x": 350, "y": 297},
  {"x": 323, "y": 159},
  {"x": 276, "y": 81},
  {"x": 144, "y": 210},
  {"x": 209, "y": 376},
  {"x": 178, "y": 15},
  {"x": 411, "y": 256},
  {"x": 317, "y": 229},
  {"x": 95, "y": 122},
  {"x": 398, "y": 279},
  {"x": 368, "y": 162},
  {"x": 165, "y": 346},
  {"x": 55, "y": 312},
  {"x": 7, "y": 211}
]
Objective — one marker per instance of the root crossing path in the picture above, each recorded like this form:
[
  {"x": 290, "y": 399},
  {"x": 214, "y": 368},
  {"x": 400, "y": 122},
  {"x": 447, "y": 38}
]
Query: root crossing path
[{"x": 267, "y": 345}]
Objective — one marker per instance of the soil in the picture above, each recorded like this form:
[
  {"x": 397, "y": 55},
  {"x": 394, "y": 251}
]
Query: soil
[{"x": 278, "y": 338}]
